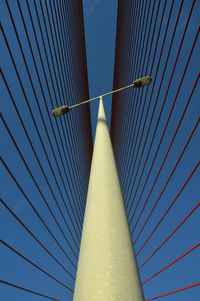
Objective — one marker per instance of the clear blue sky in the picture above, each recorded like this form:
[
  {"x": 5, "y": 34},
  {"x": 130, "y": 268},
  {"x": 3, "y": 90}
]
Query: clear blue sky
[{"x": 100, "y": 33}]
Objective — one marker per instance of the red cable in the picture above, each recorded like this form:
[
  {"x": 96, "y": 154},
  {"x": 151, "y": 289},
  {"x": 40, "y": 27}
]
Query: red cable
[
  {"x": 180, "y": 191},
  {"x": 165, "y": 94},
  {"x": 189, "y": 214},
  {"x": 170, "y": 264},
  {"x": 134, "y": 57},
  {"x": 177, "y": 128},
  {"x": 128, "y": 138},
  {"x": 131, "y": 138},
  {"x": 119, "y": 52},
  {"x": 166, "y": 62},
  {"x": 182, "y": 289},
  {"x": 170, "y": 113}
]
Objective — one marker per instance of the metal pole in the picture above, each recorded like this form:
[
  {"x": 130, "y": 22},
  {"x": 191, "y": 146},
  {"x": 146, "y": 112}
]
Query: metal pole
[
  {"x": 101, "y": 96},
  {"x": 107, "y": 267},
  {"x": 138, "y": 83}
]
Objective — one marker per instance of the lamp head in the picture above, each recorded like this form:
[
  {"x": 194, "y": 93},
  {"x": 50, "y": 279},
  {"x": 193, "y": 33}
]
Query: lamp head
[
  {"x": 143, "y": 81},
  {"x": 60, "y": 111}
]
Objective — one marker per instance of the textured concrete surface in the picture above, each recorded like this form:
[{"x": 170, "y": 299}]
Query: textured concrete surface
[{"x": 107, "y": 268}]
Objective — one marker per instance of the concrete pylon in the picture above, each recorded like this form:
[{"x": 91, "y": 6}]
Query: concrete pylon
[{"x": 107, "y": 269}]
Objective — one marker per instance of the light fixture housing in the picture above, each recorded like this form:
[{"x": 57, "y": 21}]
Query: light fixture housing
[
  {"x": 60, "y": 111},
  {"x": 143, "y": 81}
]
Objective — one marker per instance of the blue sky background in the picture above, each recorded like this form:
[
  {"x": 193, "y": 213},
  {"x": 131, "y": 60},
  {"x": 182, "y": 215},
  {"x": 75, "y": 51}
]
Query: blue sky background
[{"x": 100, "y": 33}]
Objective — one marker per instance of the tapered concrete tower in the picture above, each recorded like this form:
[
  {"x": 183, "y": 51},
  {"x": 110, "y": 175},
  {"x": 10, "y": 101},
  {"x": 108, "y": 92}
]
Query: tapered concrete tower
[{"x": 107, "y": 269}]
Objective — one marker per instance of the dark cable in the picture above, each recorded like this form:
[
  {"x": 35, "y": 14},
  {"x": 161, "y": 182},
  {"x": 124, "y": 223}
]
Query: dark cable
[
  {"x": 28, "y": 290},
  {"x": 33, "y": 236},
  {"x": 35, "y": 265},
  {"x": 39, "y": 189},
  {"x": 44, "y": 224},
  {"x": 22, "y": 87}
]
